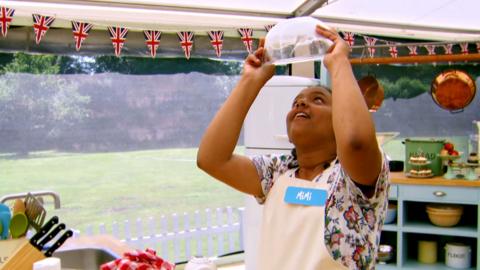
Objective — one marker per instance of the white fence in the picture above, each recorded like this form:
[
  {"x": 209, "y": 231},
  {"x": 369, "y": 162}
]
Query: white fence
[{"x": 177, "y": 238}]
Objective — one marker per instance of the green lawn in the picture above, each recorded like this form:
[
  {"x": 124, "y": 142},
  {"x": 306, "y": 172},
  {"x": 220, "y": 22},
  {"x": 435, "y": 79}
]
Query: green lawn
[{"x": 106, "y": 187}]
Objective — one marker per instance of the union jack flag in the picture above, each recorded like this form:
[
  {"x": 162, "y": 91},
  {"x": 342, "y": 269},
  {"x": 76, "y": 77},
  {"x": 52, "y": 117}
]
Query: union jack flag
[
  {"x": 41, "y": 24},
  {"x": 464, "y": 47},
  {"x": 80, "y": 32},
  {"x": 152, "y": 39},
  {"x": 413, "y": 50},
  {"x": 349, "y": 37},
  {"x": 371, "y": 42},
  {"x": 6, "y": 17},
  {"x": 118, "y": 35},
  {"x": 216, "y": 38},
  {"x": 430, "y": 49},
  {"x": 448, "y": 48},
  {"x": 247, "y": 39},
  {"x": 393, "y": 49},
  {"x": 186, "y": 41},
  {"x": 269, "y": 27}
]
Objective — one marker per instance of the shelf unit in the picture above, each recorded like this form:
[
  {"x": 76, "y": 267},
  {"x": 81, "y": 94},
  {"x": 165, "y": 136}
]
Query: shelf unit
[{"x": 412, "y": 223}]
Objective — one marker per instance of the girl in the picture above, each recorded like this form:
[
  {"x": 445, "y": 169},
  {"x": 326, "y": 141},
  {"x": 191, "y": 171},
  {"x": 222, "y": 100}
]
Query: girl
[{"x": 324, "y": 205}]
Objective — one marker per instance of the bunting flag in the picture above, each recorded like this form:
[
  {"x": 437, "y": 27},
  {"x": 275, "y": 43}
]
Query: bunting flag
[
  {"x": 371, "y": 42},
  {"x": 80, "y": 33},
  {"x": 268, "y": 27},
  {"x": 152, "y": 40},
  {"x": 118, "y": 35},
  {"x": 349, "y": 37},
  {"x": 247, "y": 39},
  {"x": 41, "y": 24},
  {"x": 413, "y": 50},
  {"x": 430, "y": 49},
  {"x": 6, "y": 17},
  {"x": 448, "y": 48},
  {"x": 393, "y": 49},
  {"x": 186, "y": 41},
  {"x": 216, "y": 39},
  {"x": 464, "y": 47}
]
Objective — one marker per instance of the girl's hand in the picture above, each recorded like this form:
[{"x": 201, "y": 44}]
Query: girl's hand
[
  {"x": 255, "y": 68},
  {"x": 339, "y": 49}
]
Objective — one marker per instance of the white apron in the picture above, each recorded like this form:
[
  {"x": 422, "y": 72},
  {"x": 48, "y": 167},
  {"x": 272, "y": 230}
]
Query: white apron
[{"x": 292, "y": 235}]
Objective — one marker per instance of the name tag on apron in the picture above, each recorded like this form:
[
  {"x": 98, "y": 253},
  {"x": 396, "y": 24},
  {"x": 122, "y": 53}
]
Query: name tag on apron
[{"x": 305, "y": 196}]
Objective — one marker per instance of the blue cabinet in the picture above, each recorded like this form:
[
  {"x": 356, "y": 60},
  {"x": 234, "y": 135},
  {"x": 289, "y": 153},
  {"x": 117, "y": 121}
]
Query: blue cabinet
[{"x": 412, "y": 223}]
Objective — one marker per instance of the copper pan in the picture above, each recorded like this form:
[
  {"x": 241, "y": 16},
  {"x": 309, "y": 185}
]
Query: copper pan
[
  {"x": 453, "y": 90},
  {"x": 372, "y": 91}
]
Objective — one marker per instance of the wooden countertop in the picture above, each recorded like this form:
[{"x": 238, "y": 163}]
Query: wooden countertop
[{"x": 401, "y": 179}]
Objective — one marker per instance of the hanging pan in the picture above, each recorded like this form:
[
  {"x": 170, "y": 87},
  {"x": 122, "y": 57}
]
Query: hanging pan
[
  {"x": 453, "y": 90},
  {"x": 372, "y": 91}
]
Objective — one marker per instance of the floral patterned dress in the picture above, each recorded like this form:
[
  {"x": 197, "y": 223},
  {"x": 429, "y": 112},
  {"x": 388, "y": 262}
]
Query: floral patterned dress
[{"x": 353, "y": 222}]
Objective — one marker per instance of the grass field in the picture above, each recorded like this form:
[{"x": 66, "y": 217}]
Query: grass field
[{"x": 105, "y": 187}]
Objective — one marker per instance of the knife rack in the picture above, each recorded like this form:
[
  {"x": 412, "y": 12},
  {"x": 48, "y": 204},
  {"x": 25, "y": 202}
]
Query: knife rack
[{"x": 23, "y": 258}]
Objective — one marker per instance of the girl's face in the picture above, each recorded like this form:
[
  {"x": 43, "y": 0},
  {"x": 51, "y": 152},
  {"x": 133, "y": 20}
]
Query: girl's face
[{"x": 310, "y": 119}]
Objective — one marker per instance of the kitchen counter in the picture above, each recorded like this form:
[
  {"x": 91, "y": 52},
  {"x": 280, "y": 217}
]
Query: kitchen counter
[
  {"x": 401, "y": 179},
  {"x": 116, "y": 246}
]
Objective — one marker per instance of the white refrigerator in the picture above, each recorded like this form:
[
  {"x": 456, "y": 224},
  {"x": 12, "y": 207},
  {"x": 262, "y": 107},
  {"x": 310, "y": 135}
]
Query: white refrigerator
[{"x": 265, "y": 132}]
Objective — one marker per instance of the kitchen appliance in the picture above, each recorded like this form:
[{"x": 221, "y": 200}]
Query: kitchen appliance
[
  {"x": 458, "y": 255},
  {"x": 265, "y": 132}
]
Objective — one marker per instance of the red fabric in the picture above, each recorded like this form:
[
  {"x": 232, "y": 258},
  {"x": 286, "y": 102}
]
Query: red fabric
[{"x": 138, "y": 260}]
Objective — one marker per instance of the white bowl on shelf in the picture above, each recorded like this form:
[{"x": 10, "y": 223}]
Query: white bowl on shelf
[{"x": 391, "y": 214}]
